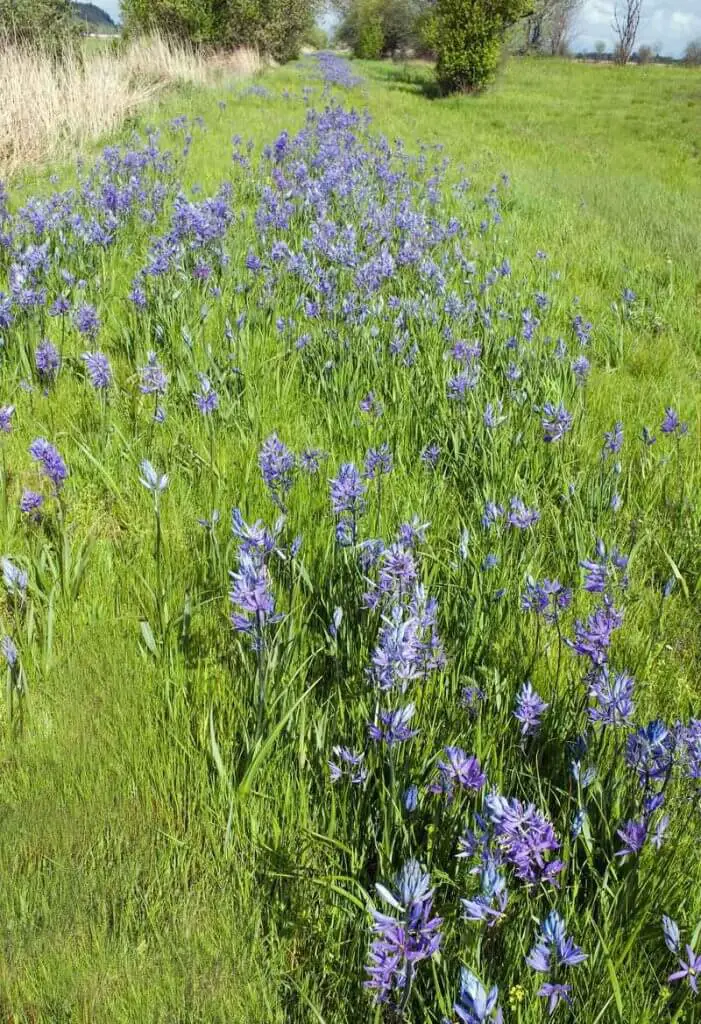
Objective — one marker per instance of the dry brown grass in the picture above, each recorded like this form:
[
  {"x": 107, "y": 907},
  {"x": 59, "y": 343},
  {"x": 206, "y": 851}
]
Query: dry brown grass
[{"x": 48, "y": 110}]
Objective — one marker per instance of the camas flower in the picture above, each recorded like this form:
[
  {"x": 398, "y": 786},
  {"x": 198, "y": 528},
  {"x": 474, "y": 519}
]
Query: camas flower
[
  {"x": 613, "y": 695},
  {"x": 47, "y": 361},
  {"x": 613, "y": 439},
  {"x": 86, "y": 320},
  {"x": 461, "y": 770},
  {"x": 671, "y": 424},
  {"x": 475, "y": 1005},
  {"x": 50, "y": 461},
  {"x": 99, "y": 370},
  {"x": 548, "y": 599},
  {"x": 520, "y": 516},
  {"x": 277, "y": 465},
  {"x": 526, "y": 839},
  {"x": 402, "y": 942},
  {"x": 593, "y": 638},
  {"x": 152, "y": 480},
  {"x": 393, "y": 726},
  {"x": 252, "y": 596},
  {"x": 206, "y": 399},
  {"x": 490, "y": 904},
  {"x": 378, "y": 461},
  {"x": 14, "y": 579},
  {"x": 689, "y": 969},
  {"x": 529, "y": 709},
  {"x": 634, "y": 835},
  {"x": 556, "y": 422},
  {"x": 31, "y": 503},
  {"x": 347, "y": 766},
  {"x": 153, "y": 379},
  {"x": 554, "y": 948},
  {"x": 670, "y": 929},
  {"x": 6, "y": 414},
  {"x": 650, "y": 752}
]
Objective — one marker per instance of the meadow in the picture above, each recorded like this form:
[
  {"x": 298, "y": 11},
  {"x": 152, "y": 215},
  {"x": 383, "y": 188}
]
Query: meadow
[{"x": 351, "y": 548}]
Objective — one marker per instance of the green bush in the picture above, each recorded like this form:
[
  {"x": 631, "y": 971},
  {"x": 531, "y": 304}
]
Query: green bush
[
  {"x": 275, "y": 27},
  {"x": 45, "y": 23},
  {"x": 469, "y": 34}
]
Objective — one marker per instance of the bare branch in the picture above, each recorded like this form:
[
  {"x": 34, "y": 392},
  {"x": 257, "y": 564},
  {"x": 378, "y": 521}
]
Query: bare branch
[{"x": 626, "y": 20}]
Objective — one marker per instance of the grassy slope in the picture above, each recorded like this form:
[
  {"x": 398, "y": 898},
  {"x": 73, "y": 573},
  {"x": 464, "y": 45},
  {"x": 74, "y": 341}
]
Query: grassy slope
[{"x": 117, "y": 905}]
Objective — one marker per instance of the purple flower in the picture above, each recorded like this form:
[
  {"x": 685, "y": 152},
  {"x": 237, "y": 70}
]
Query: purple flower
[
  {"x": 525, "y": 837},
  {"x": 86, "y": 320},
  {"x": 400, "y": 943},
  {"x": 492, "y": 417},
  {"x": 309, "y": 460},
  {"x": 670, "y": 929},
  {"x": 50, "y": 461},
  {"x": 30, "y": 504},
  {"x": 613, "y": 439},
  {"x": 152, "y": 480},
  {"x": 6, "y": 414},
  {"x": 593, "y": 638},
  {"x": 347, "y": 765},
  {"x": 529, "y": 709},
  {"x": 556, "y": 422},
  {"x": 633, "y": 834},
  {"x": 9, "y": 651},
  {"x": 378, "y": 461},
  {"x": 520, "y": 516},
  {"x": 671, "y": 424},
  {"x": 348, "y": 499},
  {"x": 554, "y": 992},
  {"x": 394, "y": 726},
  {"x": 548, "y": 599},
  {"x": 430, "y": 455},
  {"x": 689, "y": 969},
  {"x": 553, "y": 947},
  {"x": 475, "y": 1005},
  {"x": 60, "y": 306},
  {"x": 252, "y": 596},
  {"x": 492, "y": 514},
  {"x": 613, "y": 695},
  {"x": 153, "y": 379},
  {"x": 206, "y": 399},
  {"x": 580, "y": 369},
  {"x": 277, "y": 465},
  {"x": 650, "y": 752},
  {"x": 490, "y": 904},
  {"x": 14, "y": 579},
  {"x": 99, "y": 370},
  {"x": 47, "y": 361},
  {"x": 460, "y": 769}
]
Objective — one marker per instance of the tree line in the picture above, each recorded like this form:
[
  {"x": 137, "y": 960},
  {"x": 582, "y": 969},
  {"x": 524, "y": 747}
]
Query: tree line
[{"x": 465, "y": 37}]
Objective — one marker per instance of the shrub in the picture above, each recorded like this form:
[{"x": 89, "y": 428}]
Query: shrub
[
  {"x": 469, "y": 35},
  {"x": 276, "y": 27},
  {"x": 45, "y": 23},
  {"x": 692, "y": 53}
]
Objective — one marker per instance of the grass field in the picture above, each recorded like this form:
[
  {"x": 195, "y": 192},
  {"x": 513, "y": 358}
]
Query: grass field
[{"x": 172, "y": 847}]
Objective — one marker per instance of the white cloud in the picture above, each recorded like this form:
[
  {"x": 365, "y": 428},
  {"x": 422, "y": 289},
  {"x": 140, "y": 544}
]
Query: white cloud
[{"x": 671, "y": 23}]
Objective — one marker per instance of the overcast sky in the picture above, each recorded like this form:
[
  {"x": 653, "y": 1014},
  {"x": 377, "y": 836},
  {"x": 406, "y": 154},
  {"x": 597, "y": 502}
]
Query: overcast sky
[{"x": 671, "y": 23}]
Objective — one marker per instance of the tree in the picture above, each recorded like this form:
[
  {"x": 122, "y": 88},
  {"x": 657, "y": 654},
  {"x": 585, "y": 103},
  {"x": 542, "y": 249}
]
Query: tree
[
  {"x": 600, "y": 48},
  {"x": 626, "y": 20},
  {"x": 374, "y": 28},
  {"x": 47, "y": 23},
  {"x": 469, "y": 35},
  {"x": 692, "y": 53},
  {"x": 548, "y": 26},
  {"x": 646, "y": 54},
  {"x": 276, "y": 27}
]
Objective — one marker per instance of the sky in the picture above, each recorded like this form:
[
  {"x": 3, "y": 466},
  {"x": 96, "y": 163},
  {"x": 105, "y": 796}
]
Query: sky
[{"x": 670, "y": 23}]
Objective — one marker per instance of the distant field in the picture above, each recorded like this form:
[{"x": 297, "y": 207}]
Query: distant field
[{"x": 172, "y": 848}]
